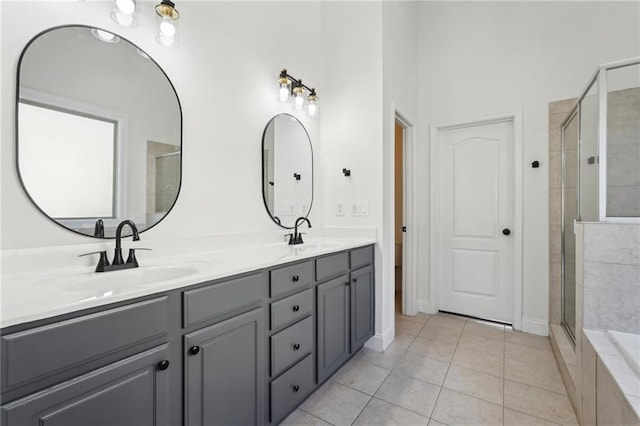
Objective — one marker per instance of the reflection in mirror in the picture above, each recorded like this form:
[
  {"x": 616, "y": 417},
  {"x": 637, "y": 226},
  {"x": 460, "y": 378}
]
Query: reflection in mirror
[
  {"x": 287, "y": 170},
  {"x": 99, "y": 131}
]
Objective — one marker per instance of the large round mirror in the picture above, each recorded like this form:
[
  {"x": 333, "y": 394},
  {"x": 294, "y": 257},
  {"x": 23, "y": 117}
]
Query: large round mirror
[
  {"x": 287, "y": 170},
  {"x": 99, "y": 131}
]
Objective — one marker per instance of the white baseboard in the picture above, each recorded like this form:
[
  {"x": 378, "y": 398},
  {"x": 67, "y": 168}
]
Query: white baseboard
[
  {"x": 535, "y": 326},
  {"x": 380, "y": 341},
  {"x": 424, "y": 306}
]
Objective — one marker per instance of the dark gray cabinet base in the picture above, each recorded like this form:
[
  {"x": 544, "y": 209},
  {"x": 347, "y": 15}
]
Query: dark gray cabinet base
[
  {"x": 134, "y": 391},
  {"x": 242, "y": 350}
]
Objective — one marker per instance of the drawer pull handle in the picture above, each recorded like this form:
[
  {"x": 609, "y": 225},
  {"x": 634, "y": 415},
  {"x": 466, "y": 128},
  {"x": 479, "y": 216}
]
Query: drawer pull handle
[
  {"x": 355, "y": 280},
  {"x": 296, "y": 388},
  {"x": 295, "y": 278},
  {"x": 296, "y": 308},
  {"x": 347, "y": 283},
  {"x": 296, "y": 347},
  {"x": 193, "y": 350},
  {"x": 163, "y": 365}
]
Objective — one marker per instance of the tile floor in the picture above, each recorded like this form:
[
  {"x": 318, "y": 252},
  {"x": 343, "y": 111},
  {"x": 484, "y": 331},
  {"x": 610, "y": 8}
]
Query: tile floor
[{"x": 445, "y": 370}]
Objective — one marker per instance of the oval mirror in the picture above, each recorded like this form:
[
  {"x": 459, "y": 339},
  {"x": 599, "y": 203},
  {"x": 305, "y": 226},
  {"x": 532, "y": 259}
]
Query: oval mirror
[
  {"x": 287, "y": 170},
  {"x": 99, "y": 131}
]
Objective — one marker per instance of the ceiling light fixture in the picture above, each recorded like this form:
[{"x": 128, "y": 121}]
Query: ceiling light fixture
[
  {"x": 167, "y": 17},
  {"x": 290, "y": 86},
  {"x": 125, "y": 13}
]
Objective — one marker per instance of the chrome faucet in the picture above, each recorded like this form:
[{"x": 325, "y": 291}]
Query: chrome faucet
[
  {"x": 118, "y": 263},
  {"x": 296, "y": 237}
]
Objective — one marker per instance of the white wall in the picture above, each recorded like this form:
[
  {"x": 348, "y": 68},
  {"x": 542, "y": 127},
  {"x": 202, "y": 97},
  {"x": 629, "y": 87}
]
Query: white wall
[
  {"x": 225, "y": 71},
  {"x": 480, "y": 59}
]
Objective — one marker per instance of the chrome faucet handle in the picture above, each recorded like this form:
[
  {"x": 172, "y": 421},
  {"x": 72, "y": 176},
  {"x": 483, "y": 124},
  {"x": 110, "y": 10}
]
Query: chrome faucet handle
[{"x": 290, "y": 235}]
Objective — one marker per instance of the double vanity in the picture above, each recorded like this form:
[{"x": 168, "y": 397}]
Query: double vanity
[{"x": 187, "y": 343}]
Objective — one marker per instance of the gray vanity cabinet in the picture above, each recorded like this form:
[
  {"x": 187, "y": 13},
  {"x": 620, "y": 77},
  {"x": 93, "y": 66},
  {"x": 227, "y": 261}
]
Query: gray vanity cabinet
[
  {"x": 134, "y": 391},
  {"x": 333, "y": 325},
  {"x": 224, "y": 372},
  {"x": 362, "y": 306}
]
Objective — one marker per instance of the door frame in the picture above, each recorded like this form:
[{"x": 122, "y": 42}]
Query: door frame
[
  {"x": 434, "y": 177},
  {"x": 410, "y": 215}
]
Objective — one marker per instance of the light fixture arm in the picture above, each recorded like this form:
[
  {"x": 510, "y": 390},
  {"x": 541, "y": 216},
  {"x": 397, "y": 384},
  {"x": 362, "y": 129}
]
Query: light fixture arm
[{"x": 295, "y": 82}]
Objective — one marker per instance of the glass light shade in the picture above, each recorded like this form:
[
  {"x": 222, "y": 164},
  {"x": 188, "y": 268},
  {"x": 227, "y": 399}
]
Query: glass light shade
[
  {"x": 124, "y": 13},
  {"x": 285, "y": 89},
  {"x": 312, "y": 108},
  {"x": 167, "y": 17}
]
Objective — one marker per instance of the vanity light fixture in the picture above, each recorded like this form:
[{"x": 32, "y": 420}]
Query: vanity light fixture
[
  {"x": 167, "y": 17},
  {"x": 125, "y": 13},
  {"x": 290, "y": 86}
]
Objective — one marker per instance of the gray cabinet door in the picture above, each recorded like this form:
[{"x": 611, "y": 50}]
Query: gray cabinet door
[
  {"x": 224, "y": 372},
  {"x": 333, "y": 326},
  {"x": 134, "y": 391},
  {"x": 362, "y": 307}
]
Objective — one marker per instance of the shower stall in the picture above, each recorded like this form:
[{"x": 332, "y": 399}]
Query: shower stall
[{"x": 600, "y": 163}]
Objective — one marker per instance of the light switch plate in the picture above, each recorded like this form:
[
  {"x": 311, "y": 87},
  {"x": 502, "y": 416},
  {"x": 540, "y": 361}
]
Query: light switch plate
[{"x": 360, "y": 208}]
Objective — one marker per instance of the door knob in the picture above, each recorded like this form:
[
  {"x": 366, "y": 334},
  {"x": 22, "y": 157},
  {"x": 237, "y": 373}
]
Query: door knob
[
  {"x": 506, "y": 231},
  {"x": 194, "y": 350},
  {"x": 163, "y": 365}
]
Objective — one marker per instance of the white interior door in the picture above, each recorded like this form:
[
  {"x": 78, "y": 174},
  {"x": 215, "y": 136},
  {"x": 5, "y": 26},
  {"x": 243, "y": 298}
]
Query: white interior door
[{"x": 476, "y": 202}]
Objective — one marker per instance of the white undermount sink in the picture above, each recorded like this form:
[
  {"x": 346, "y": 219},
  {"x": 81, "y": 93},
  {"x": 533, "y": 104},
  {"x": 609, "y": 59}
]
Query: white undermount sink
[{"x": 135, "y": 277}]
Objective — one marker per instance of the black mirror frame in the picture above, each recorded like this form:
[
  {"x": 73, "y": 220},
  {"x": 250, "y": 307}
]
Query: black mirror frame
[
  {"x": 264, "y": 198},
  {"x": 17, "y": 158}
]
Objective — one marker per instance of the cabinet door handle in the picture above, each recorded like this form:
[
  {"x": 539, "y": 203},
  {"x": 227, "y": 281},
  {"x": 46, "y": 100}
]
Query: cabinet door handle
[
  {"x": 193, "y": 350},
  {"x": 296, "y": 388},
  {"x": 296, "y": 347},
  {"x": 347, "y": 283},
  {"x": 355, "y": 280},
  {"x": 295, "y": 278},
  {"x": 296, "y": 308},
  {"x": 163, "y": 365}
]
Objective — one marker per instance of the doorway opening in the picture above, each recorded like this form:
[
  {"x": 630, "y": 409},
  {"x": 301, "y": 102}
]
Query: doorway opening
[{"x": 399, "y": 216}]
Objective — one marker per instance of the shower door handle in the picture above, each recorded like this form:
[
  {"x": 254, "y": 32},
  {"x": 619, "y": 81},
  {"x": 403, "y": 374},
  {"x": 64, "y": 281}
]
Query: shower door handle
[{"x": 506, "y": 231}]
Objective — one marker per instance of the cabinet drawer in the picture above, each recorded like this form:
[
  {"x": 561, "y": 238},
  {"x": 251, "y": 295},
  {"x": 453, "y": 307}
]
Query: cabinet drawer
[
  {"x": 330, "y": 266},
  {"x": 290, "y": 389},
  {"x": 361, "y": 257},
  {"x": 40, "y": 351},
  {"x": 291, "y": 344},
  {"x": 291, "y": 277},
  {"x": 291, "y": 309},
  {"x": 223, "y": 298}
]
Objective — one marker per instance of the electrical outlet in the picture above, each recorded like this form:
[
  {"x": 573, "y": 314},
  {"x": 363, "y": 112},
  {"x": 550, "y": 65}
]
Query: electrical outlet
[
  {"x": 304, "y": 208},
  {"x": 360, "y": 208},
  {"x": 340, "y": 208}
]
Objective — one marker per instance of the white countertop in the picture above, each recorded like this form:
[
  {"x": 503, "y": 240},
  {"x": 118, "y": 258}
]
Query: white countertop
[{"x": 40, "y": 294}]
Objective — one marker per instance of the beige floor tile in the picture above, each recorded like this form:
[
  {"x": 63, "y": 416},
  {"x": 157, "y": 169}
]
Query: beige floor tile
[
  {"x": 387, "y": 359},
  {"x": 436, "y": 349},
  {"x": 302, "y": 418},
  {"x": 484, "y": 329},
  {"x": 411, "y": 328},
  {"x": 447, "y": 321},
  {"x": 540, "y": 342},
  {"x": 336, "y": 403},
  {"x": 539, "y": 402},
  {"x": 481, "y": 344},
  {"x": 403, "y": 340},
  {"x": 443, "y": 334},
  {"x": 378, "y": 412},
  {"x": 412, "y": 394},
  {"x": 479, "y": 361},
  {"x": 516, "y": 418},
  {"x": 534, "y": 357},
  {"x": 547, "y": 378},
  {"x": 361, "y": 375},
  {"x": 474, "y": 383},
  {"x": 433, "y": 422},
  {"x": 422, "y": 368},
  {"x": 453, "y": 408}
]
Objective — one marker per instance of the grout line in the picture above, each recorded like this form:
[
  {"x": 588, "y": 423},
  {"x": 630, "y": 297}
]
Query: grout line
[{"x": 313, "y": 415}]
